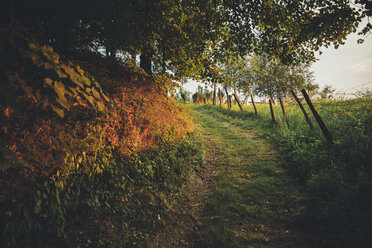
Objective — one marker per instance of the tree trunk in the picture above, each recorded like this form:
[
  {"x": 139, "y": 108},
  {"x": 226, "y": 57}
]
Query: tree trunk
[
  {"x": 164, "y": 64},
  {"x": 133, "y": 57},
  {"x": 107, "y": 51},
  {"x": 220, "y": 96},
  {"x": 146, "y": 58},
  {"x": 272, "y": 110},
  {"x": 112, "y": 53},
  {"x": 214, "y": 95}
]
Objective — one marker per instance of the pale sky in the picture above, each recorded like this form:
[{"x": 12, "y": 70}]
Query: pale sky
[{"x": 346, "y": 69}]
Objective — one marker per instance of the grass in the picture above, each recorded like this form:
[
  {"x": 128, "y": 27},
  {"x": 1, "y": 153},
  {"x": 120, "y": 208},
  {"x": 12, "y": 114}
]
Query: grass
[
  {"x": 248, "y": 206},
  {"x": 337, "y": 178}
]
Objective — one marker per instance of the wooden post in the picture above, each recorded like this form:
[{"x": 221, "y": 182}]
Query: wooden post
[
  {"x": 220, "y": 96},
  {"x": 227, "y": 98},
  {"x": 238, "y": 101},
  {"x": 245, "y": 101},
  {"x": 303, "y": 110},
  {"x": 272, "y": 111},
  {"x": 214, "y": 95},
  {"x": 284, "y": 112},
  {"x": 204, "y": 99},
  {"x": 254, "y": 105},
  {"x": 322, "y": 125}
]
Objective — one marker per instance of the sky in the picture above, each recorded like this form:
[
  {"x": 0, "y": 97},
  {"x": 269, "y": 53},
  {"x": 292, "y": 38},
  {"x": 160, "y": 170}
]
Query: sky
[{"x": 347, "y": 69}]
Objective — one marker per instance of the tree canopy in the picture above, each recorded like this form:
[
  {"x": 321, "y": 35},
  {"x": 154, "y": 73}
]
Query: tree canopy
[
  {"x": 262, "y": 76},
  {"x": 186, "y": 38}
]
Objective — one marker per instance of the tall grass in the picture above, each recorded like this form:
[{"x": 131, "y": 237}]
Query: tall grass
[{"x": 338, "y": 177}]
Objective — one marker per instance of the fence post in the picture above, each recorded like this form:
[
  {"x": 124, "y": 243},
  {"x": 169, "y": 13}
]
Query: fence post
[
  {"x": 245, "y": 101},
  {"x": 303, "y": 110},
  {"x": 227, "y": 98},
  {"x": 321, "y": 123},
  {"x": 284, "y": 112},
  {"x": 254, "y": 105},
  {"x": 272, "y": 111},
  {"x": 214, "y": 95},
  {"x": 238, "y": 101}
]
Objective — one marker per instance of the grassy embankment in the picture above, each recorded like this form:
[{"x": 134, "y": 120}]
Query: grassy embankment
[{"x": 337, "y": 179}]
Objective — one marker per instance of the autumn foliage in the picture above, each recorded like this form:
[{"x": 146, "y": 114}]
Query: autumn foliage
[
  {"x": 139, "y": 117},
  {"x": 55, "y": 157}
]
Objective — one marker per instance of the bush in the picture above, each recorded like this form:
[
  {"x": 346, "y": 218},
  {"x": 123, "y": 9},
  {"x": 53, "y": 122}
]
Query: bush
[{"x": 36, "y": 212}]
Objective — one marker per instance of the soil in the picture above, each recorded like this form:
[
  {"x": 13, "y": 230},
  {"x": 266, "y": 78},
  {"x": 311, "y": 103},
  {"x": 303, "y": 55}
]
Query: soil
[{"x": 187, "y": 211}]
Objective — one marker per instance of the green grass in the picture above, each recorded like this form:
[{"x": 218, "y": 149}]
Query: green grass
[
  {"x": 247, "y": 207},
  {"x": 337, "y": 178}
]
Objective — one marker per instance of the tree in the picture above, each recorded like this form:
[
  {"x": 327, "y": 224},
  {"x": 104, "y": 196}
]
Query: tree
[
  {"x": 311, "y": 88},
  {"x": 188, "y": 38},
  {"x": 327, "y": 92},
  {"x": 291, "y": 30},
  {"x": 266, "y": 77},
  {"x": 184, "y": 95},
  {"x": 208, "y": 95},
  {"x": 174, "y": 31}
]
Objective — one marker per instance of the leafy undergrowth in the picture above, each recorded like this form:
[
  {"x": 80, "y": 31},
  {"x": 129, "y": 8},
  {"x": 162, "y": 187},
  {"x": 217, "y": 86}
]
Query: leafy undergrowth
[
  {"x": 83, "y": 145},
  {"x": 129, "y": 199},
  {"x": 337, "y": 178}
]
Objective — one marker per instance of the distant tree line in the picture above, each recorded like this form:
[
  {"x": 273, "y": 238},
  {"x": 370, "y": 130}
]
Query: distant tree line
[{"x": 263, "y": 77}]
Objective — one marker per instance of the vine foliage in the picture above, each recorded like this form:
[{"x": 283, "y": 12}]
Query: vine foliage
[{"x": 37, "y": 76}]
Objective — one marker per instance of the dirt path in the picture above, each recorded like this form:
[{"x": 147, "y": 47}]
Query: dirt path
[
  {"x": 187, "y": 211},
  {"x": 241, "y": 197}
]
